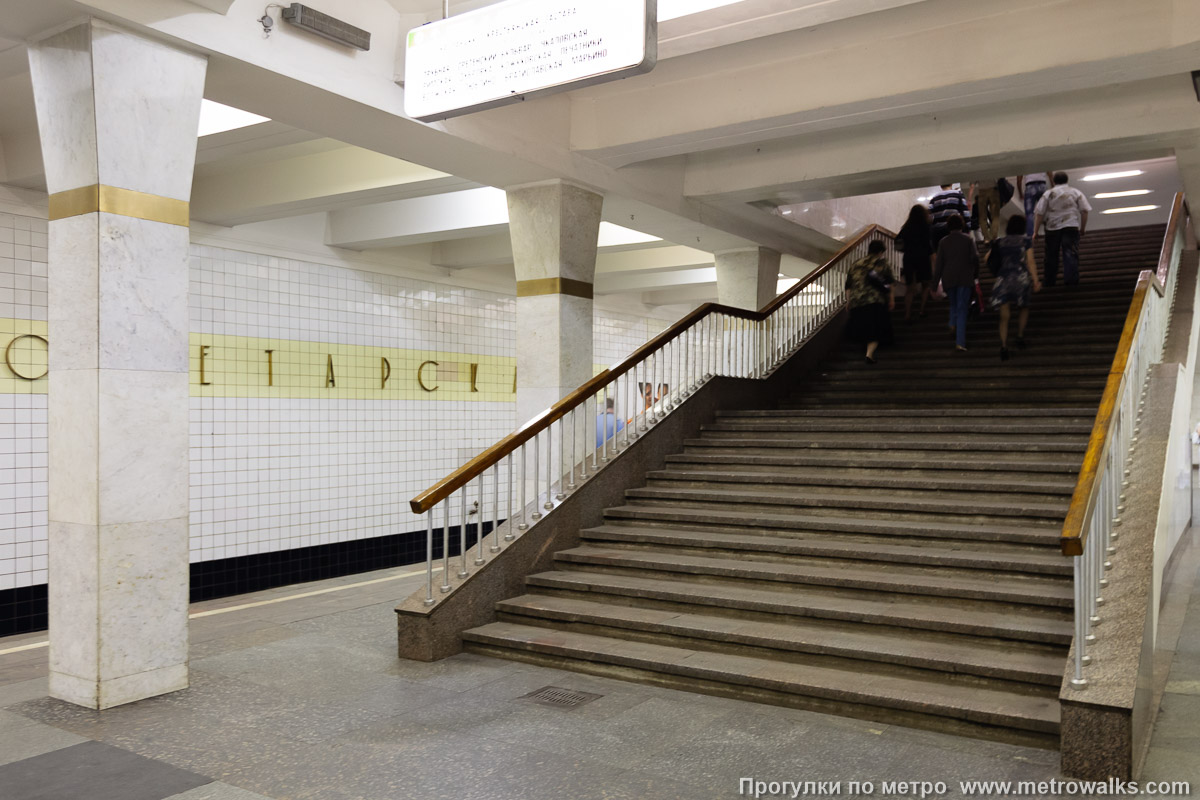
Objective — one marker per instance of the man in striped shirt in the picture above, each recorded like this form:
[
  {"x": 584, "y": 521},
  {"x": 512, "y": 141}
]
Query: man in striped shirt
[{"x": 944, "y": 206}]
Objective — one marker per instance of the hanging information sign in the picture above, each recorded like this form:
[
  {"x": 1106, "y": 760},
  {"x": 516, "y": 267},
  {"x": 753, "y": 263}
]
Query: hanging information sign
[{"x": 506, "y": 52}]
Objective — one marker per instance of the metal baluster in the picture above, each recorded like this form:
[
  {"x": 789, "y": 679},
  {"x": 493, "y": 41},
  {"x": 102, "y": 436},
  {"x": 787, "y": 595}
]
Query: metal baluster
[
  {"x": 562, "y": 456},
  {"x": 616, "y": 384},
  {"x": 1078, "y": 681},
  {"x": 602, "y": 425},
  {"x": 509, "y": 535},
  {"x": 495, "y": 548},
  {"x": 523, "y": 525},
  {"x": 630, "y": 391},
  {"x": 574, "y": 450},
  {"x": 479, "y": 557},
  {"x": 583, "y": 441},
  {"x": 549, "y": 504},
  {"x": 445, "y": 587},
  {"x": 429, "y": 558},
  {"x": 537, "y": 476},
  {"x": 462, "y": 537}
]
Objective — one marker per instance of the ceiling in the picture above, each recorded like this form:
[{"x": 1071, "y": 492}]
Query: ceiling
[{"x": 755, "y": 107}]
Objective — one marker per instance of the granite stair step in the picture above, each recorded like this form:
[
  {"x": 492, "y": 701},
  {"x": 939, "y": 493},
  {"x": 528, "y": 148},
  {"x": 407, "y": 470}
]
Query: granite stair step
[
  {"x": 970, "y": 617},
  {"x": 1082, "y": 413},
  {"x": 1027, "y": 484},
  {"x": 894, "y": 441},
  {"x": 923, "y": 502},
  {"x": 996, "y": 557},
  {"x": 1027, "y": 533},
  {"x": 956, "y": 655},
  {"x": 854, "y": 459},
  {"x": 891, "y": 579},
  {"x": 873, "y": 694},
  {"x": 1009, "y": 425}
]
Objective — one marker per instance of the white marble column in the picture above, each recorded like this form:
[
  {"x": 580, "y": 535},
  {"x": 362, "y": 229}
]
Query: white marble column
[
  {"x": 554, "y": 228},
  {"x": 747, "y": 278},
  {"x": 117, "y": 115}
]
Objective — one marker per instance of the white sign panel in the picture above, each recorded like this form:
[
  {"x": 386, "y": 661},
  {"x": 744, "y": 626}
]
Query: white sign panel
[{"x": 515, "y": 49}]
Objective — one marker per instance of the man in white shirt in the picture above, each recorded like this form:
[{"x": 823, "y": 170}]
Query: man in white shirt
[{"x": 1064, "y": 209}]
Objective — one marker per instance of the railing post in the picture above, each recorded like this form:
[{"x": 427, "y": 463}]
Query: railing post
[
  {"x": 429, "y": 558},
  {"x": 462, "y": 536},
  {"x": 445, "y": 587}
]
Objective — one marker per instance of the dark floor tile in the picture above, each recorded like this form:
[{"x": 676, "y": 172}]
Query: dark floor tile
[{"x": 95, "y": 771}]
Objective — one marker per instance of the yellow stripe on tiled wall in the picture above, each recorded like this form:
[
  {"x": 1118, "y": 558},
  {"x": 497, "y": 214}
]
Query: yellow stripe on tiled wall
[
  {"x": 236, "y": 366},
  {"x": 28, "y": 356}
]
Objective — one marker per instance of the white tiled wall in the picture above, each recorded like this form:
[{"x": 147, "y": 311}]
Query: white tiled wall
[
  {"x": 22, "y": 490},
  {"x": 273, "y": 473},
  {"x": 616, "y": 334},
  {"x": 22, "y": 416},
  {"x": 22, "y": 267},
  {"x": 278, "y": 473}
]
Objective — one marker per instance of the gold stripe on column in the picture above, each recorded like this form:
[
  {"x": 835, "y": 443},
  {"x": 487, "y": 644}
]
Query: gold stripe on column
[
  {"x": 567, "y": 286},
  {"x": 114, "y": 200}
]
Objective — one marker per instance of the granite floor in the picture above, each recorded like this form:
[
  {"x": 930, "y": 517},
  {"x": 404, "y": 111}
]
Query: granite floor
[{"x": 303, "y": 697}]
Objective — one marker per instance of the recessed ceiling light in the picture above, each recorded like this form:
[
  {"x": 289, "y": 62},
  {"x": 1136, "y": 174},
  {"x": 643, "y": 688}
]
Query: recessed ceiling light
[
  {"x": 1104, "y": 176},
  {"x": 1129, "y": 210},
  {"x": 614, "y": 236},
  {"x": 1129, "y": 193},
  {"x": 670, "y": 9},
  {"x": 787, "y": 211},
  {"x": 217, "y": 118}
]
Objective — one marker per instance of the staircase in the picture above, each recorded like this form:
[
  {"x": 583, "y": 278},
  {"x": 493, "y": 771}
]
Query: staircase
[{"x": 883, "y": 544}]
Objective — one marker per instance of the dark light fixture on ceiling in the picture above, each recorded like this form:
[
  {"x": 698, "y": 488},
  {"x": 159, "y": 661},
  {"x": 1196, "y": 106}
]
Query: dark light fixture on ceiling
[{"x": 327, "y": 27}]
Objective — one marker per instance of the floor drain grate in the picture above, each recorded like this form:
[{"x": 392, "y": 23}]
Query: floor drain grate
[{"x": 560, "y": 698}]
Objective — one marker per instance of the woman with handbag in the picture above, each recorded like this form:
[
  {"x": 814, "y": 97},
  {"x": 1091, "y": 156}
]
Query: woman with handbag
[{"x": 871, "y": 297}]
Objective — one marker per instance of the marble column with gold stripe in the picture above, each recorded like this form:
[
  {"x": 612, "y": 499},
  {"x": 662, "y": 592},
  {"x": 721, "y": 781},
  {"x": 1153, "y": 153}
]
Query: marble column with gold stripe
[
  {"x": 554, "y": 228},
  {"x": 117, "y": 116}
]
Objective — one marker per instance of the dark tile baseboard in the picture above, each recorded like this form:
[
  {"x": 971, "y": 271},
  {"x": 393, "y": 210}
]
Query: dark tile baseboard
[{"x": 24, "y": 610}]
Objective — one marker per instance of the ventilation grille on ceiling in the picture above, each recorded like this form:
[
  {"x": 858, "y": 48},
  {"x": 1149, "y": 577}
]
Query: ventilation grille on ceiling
[
  {"x": 327, "y": 27},
  {"x": 560, "y": 698}
]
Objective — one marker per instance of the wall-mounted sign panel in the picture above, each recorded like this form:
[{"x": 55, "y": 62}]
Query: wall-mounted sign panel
[{"x": 506, "y": 52}]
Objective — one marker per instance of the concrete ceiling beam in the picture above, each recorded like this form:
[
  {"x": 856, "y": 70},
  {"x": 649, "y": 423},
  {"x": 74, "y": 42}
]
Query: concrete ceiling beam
[
  {"x": 258, "y": 186},
  {"x": 1144, "y": 119},
  {"x": 828, "y": 78},
  {"x": 453, "y": 215}
]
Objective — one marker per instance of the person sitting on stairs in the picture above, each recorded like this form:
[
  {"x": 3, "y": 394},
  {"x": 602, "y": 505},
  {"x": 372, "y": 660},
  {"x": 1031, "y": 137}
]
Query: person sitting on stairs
[
  {"x": 1016, "y": 278},
  {"x": 957, "y": 266},
  {"x": 871, "y": 295}
]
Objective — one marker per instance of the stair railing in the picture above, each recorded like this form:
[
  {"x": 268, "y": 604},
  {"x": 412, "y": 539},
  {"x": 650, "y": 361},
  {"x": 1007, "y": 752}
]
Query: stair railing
[
  {"x": 1092, "y": 525},
  {"x": 528, "y": 473}
]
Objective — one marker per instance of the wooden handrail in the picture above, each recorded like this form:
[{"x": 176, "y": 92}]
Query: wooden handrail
[
  {"x": 509, "y": 444},
  {"x": 1178, "y": 214},
  {"x": 1083, "y": 499}
]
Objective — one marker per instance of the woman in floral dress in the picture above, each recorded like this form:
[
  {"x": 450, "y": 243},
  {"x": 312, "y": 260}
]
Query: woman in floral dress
[{"x": 1012, "y": 263}]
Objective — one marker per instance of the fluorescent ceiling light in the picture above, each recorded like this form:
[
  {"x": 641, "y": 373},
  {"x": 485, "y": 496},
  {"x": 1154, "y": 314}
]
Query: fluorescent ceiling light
[
  {"x": 1129, "y": 193},
  {"x": 614, "y": 236},
  {"x": 217, "y": 118},
  {"x": 1104, "y": 176},
  {"x": 1129, "y": 210},
  {"x": 670, "y": 9},
  {"x": 787, "y": 211}
]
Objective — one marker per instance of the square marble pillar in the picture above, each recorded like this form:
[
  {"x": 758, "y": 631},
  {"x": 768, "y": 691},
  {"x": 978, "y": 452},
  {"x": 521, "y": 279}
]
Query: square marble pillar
[
  {"x": 554, "y": 228},
  {"x": 117, "y": 117},
  {"x": 747, "y": 278}
]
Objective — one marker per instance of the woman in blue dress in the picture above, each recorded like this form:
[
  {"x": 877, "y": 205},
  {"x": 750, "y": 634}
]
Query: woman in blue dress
[{"x": 1016, "y": 279}]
